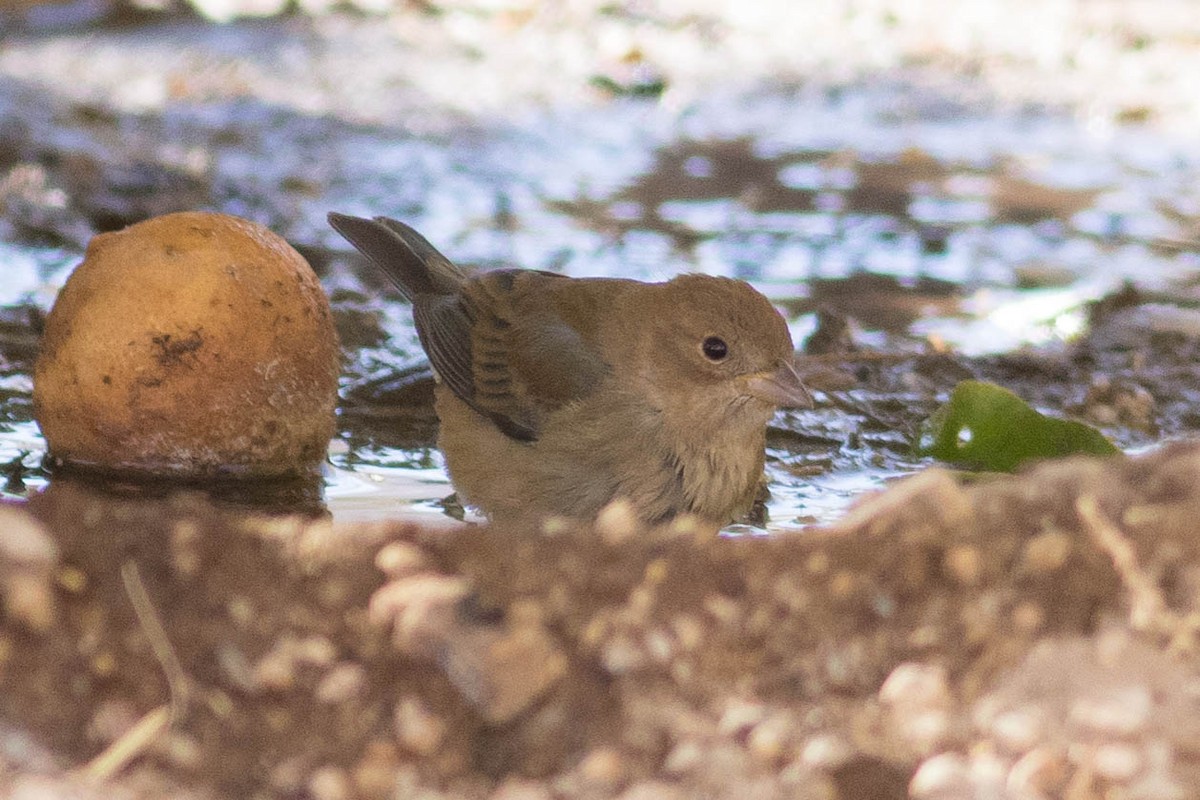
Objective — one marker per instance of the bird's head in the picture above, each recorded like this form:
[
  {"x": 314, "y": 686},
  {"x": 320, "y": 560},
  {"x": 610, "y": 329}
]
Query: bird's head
[{"x": 717, "y": 352}]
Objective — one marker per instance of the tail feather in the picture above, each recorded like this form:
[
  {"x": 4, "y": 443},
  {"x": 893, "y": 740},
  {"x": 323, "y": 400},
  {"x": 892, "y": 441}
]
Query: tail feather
[{"x": 405, "y": 256}]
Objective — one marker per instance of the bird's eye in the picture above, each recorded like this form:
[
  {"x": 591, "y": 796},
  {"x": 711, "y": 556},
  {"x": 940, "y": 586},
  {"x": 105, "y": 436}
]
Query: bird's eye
[{"x": 714, "y": 348}]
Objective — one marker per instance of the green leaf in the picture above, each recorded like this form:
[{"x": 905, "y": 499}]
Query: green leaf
[{"x": 985, "y": 426}]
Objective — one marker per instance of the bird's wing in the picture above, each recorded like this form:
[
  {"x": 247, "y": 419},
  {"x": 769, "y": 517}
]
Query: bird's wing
[{"x": 503, "y": 348}]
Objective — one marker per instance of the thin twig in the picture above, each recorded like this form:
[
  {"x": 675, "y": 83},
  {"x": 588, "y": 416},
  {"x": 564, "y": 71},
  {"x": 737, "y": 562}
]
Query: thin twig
[
  {"x": 1148, "y": 610},
  {"x": 160, "y": 645},
  {"x": 129, "y": 746},
  {"x": 134, "y": 741}
]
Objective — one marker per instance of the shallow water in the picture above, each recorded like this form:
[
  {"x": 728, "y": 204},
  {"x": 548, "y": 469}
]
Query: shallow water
[{"x": 998, "y": 221}]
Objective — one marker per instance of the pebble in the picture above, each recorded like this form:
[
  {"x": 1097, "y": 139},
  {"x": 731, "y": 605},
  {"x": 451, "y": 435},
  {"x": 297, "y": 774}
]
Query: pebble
[
  {"x": 689, "y": 632},
  {"x": 374, "y": 775},
  {"x": 185, "y": 539},
  {"x": 603, "y": 768},
  {"x": 418, "y": 729},
  {"x": 739, "y": 717},
  {"x": 616, "y": 523},
  {"x": 769, "y": 740},
  {"x": 1028, "y": 617},
  {"x": 111, "y": 719},
  {"x": 27, "y": 559},
  {"x": 400, "y": 559},
  {"x": 1119, "y": 762},
  {"x": 502, "y": 674},
  {"x": 1046, "y": 552},
  {"x": 654, "y": 790},
  {"x": 683, "y": 758},
  {"x": 330, "y": 783},
  {"x": 521, "y": 789},
  {"x": 1042, "y": 770},
  {"x": 944, "y": 775},
  {"x": 825, "y": 751},
  {"x": 916, "y": 685},
  {"x": 417, "y": 608},
  {"x": 964, "y": 564},
  {"x": 1123, "y": 711},
  {"x": 1017, "y": 730},
  {"x": 342, "y": 683}
]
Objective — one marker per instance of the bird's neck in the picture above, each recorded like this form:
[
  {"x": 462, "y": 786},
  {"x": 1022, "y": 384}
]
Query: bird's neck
[{"x": 719, "y": 462}]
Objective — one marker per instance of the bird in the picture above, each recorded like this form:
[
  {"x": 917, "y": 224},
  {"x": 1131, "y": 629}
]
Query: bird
[{"x": 557, "y": 396}]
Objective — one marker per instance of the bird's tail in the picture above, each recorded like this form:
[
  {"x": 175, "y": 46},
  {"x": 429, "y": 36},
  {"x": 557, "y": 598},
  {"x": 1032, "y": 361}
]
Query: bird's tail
[{"x": 405, "y": 256}]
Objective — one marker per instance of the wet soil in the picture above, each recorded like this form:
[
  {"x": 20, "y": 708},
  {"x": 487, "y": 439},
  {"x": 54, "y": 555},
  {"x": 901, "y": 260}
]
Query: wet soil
[
  {"x": 1033, "y": 632},
  {"x": 931, "y": 195}
]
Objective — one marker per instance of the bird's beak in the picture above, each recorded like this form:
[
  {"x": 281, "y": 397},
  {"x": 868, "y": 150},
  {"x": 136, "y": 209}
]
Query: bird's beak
[{"x": 779, "y": 388}]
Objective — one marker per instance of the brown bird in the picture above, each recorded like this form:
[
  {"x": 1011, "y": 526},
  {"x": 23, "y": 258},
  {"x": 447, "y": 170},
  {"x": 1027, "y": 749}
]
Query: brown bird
[{"x": 558, "y": 395}]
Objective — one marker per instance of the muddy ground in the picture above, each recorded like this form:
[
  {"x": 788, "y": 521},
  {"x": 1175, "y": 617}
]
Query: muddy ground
[
  {"x": 1026, "y": 636},
  {"x": 1032, "y": 636},
  {"x": 880, "y": 169}
]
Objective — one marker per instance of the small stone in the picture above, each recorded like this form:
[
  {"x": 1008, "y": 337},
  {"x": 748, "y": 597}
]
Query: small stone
[
  {"x": 374, "y": 776},
  {"x": 111, "y": 720},
  {"x": 419, "y": 609},
  {"x": 769, "y": 740},
  {"x": 842, "y": 585},
  {"x": 725, "y": 610},
  {"x": 287, "y": 776},
  {"x": 944, "y": 775},
  {"x": 400, "y": 559},
  {"x": 926, "y": 730},
  {"x": 621, "y": 655},
  {"x": 1117, "y": 761},
  {"x": 27, "y": 560},
  {"x": 329, "y": 783},
  {"x": 29, "y": 599},
  {"x": 315, "y": 651},
  {"x": 1046, "y": 552},
  {"x": 185, "y": 554},
  {"x": 23, "y": 540},
  {"x": 641, "y": 603},
  {"x": 71, "y": 579},
  {"x": 555, "y": 526},
  {"x": 739, "y": 717},
  {"x": 1124, "y": 711},
  {"x": 241, "y": 611},
  {"x": 825, "y": 752},
  {"x": 616, "y": 523},
  {"x": 1157, "y": 781},
  {"x": 963, "y": 564},
  {"x": 344, "y": 682},
  {"x": 181, "y": 751},
  {"x": 1028, "y": 617},
  {"x": 659, "y": 646},
  {"x": 276, "y": 671},
  {"x": 603, "y": 768},
  {"x": 683, "y": 758},
  {"x": 689, "y": 632},
  {"x": 916, "y": 685},
  {"x": 653, "y": 790},
  {"x": 1043, "y": 771},
  {"x": 45, "y": 787},
  {"x": 521, "y": 789},
  {"x": 502, "y": 673},
  {"x": 686, "y": 525},
  {"x": 418, "y": 729},
  {"x": 1017, "y": 730}
]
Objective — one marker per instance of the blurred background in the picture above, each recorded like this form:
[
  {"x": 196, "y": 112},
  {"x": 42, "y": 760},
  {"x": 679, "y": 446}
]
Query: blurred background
[{"x": 914, "y": 178}]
